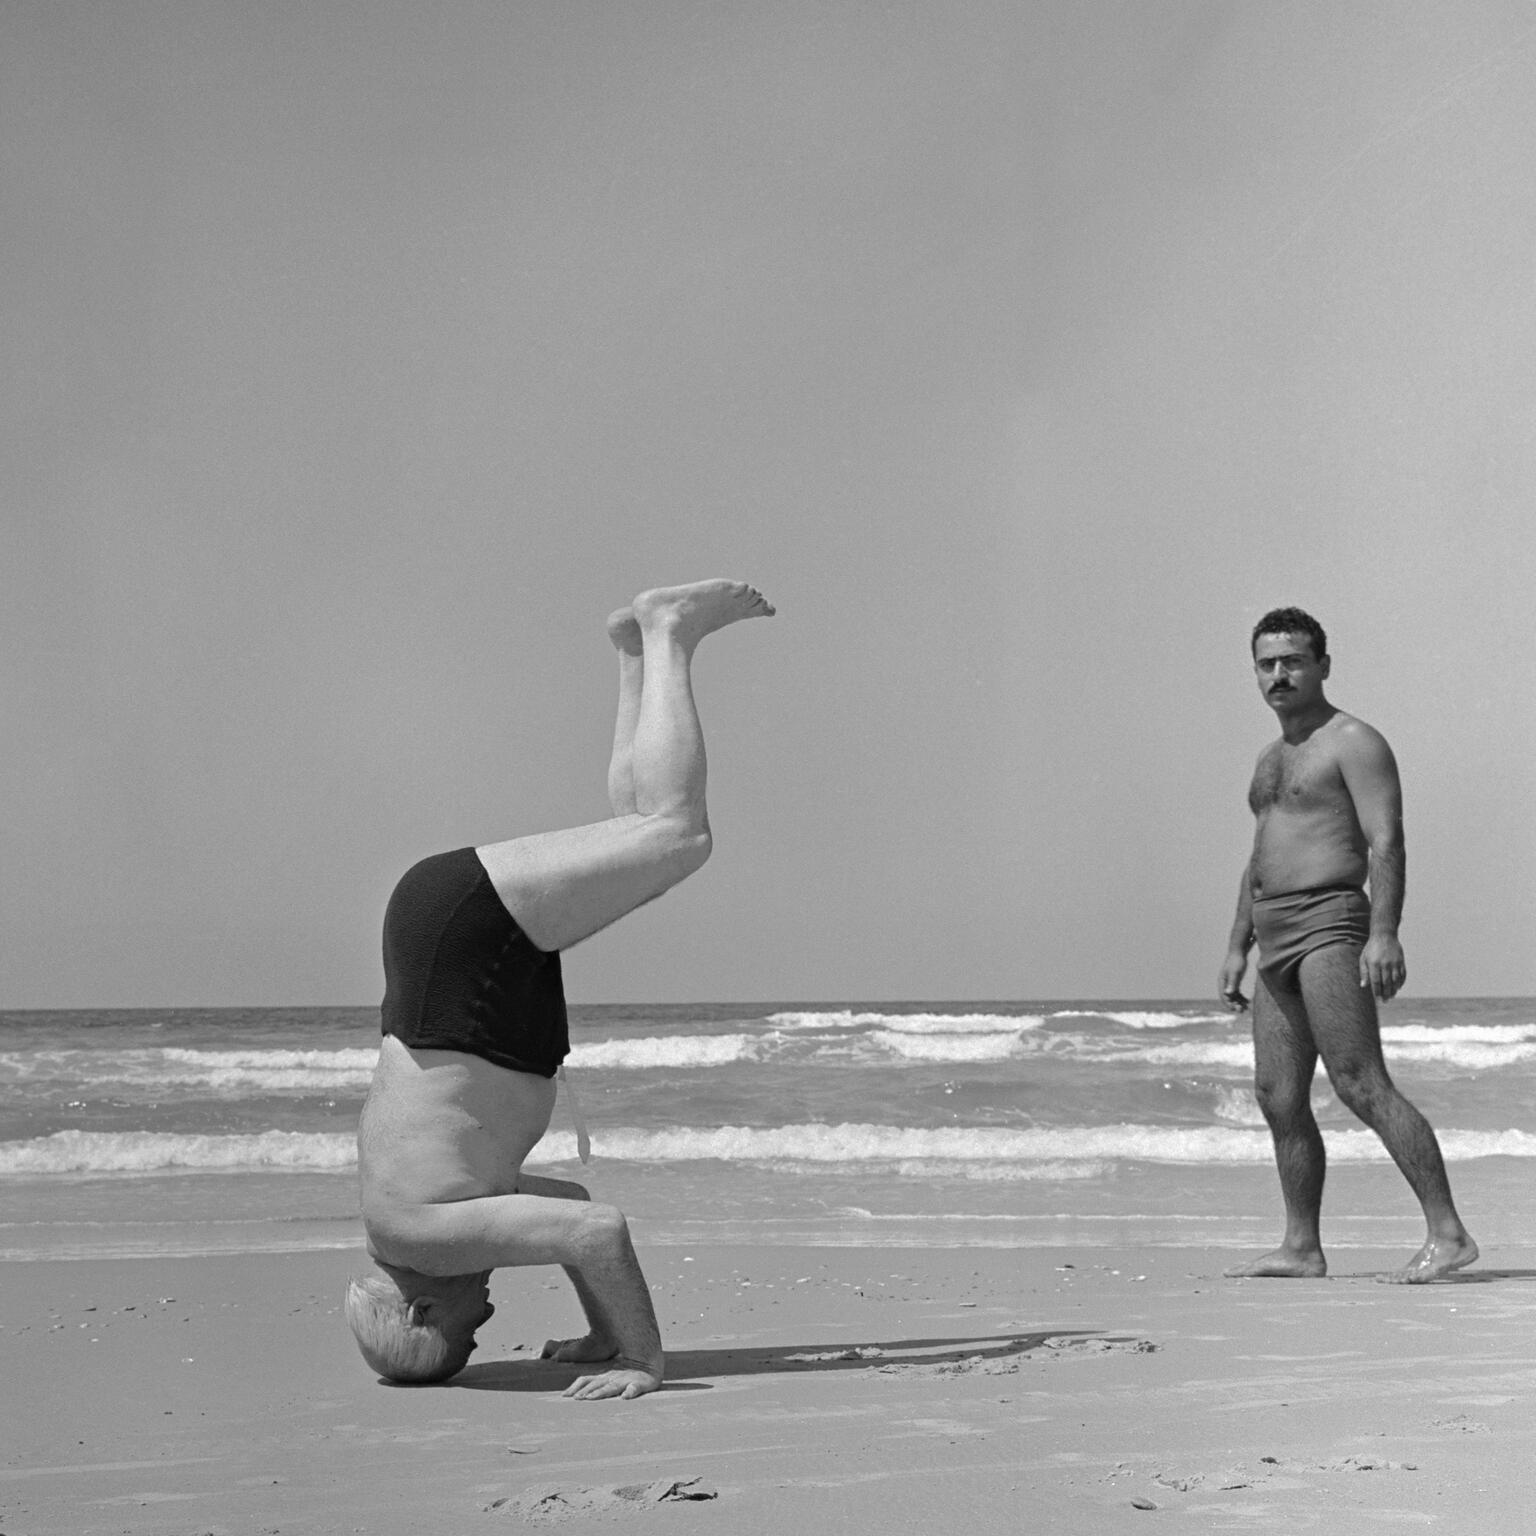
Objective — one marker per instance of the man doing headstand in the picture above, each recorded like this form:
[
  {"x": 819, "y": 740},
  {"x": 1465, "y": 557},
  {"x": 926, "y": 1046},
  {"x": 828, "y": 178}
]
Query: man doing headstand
[
  {"x": 475, "y": 1029},
  {"x": 1329, "y": 814}
]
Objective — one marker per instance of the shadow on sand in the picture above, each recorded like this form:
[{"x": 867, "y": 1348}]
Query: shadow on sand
[
  {"x": 688, "y": 1368},
  {"x": 1484, "y": 1276}
]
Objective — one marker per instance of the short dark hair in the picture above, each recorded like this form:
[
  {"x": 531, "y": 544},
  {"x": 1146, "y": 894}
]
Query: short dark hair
[{"x": 1291, "y": 621}]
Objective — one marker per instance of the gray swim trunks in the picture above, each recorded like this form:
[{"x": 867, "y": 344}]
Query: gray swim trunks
[{"x": 1295, "y": 925}]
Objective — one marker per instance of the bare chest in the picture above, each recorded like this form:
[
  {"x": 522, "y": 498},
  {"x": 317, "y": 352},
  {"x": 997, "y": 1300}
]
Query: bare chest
[{"x": 1303, "y": 777}]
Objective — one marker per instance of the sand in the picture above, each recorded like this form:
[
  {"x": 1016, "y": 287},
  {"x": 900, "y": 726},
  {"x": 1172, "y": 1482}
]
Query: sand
[{"x": 809, "y": 1390}]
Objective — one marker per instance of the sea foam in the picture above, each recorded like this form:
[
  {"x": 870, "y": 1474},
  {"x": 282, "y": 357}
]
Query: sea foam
[
  {"x": 275, "y": 1071},
  {"x": 670, "y": 1051},
  {"x": 987, "y": 1152},
  {"x": 959, "y": 1048},
  {"x": 160, "y": 1152},
  {"x": 908, "y": 1023},
  {"x": 1133, "y": 1020}
]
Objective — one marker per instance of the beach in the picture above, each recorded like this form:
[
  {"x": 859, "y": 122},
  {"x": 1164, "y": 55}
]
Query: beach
[
  {"x": 819, "y": 1389},
  {"x": 918, "y": 1267}
]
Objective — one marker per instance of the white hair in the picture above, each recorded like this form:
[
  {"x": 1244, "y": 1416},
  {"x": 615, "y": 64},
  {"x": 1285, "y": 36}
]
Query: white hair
[{"x": 393, "y": 1342}]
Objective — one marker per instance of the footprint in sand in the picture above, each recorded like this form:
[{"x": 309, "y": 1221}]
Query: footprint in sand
[
  {"x": 552, "y": 1504},
  {"x": 1362, "y": 1464},
  {"x": 1064, "y": 1344},
  {"x": 1464, "y": 1423},
  {"x": 864, "y": 1352},
  {"x": 1059, "y": 1346}
]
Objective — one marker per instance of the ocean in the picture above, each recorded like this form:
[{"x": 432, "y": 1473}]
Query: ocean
[{"x": 197, "y": 1131}]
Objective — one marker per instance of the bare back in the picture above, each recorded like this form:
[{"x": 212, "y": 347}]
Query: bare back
[
  {"x": 441, "y": 1126},
  {"x": 1308, "y": 832}
]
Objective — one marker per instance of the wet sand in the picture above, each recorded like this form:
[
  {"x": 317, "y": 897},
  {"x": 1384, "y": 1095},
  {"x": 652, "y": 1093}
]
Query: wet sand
[{"x": 810, "y": 1389}]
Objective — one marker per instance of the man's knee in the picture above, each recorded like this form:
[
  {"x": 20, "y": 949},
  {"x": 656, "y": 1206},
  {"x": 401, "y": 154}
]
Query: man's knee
[
  {"x": 1361, "y": 1086},
  {"x": 1283, "y": 1100},
  {"x": 689, "y": 847},
  {"x": 681, "y": 845}
]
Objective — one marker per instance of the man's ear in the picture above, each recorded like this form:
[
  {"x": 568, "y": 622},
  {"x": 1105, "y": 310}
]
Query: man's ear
[
  {"x": 1327, "y": 665},
  {"x": 419, "y": 1310}
]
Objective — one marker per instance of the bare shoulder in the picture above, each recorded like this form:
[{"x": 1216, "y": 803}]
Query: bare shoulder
[{"x": 1356, "y": 741}]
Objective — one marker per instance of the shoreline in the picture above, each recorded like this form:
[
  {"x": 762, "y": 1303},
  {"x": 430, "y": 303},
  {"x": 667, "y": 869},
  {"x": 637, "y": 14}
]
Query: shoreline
[{"x": 849, "y": 1388}]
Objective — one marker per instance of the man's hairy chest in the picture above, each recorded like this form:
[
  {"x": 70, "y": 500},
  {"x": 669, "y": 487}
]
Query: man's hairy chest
[{"x": 1303, "y": 777}]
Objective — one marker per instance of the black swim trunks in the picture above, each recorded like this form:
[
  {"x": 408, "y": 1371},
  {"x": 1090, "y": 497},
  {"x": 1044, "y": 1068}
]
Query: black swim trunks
[
  {"x": 1292, "y": 926},
  {"x": 460, "y": 975}
]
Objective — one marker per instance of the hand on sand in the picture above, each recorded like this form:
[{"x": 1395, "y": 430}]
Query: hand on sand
[
  {"x": 588, "y": 1350},
  {"x": 1282, "y": 1264},
  {"x": 629, "y": 1378},
  {"x": 1436, "y": 1258}
]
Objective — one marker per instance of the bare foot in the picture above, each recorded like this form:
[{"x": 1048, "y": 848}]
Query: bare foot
[
  {"x": 1438, "y": 1256},
  {"x": 629, "y": 1378},
  {"x": 693, "y": 611},
  {"x": 1282, "y": 1264},
  {"x": 624, "y": 631},
  {"x": 584, "y": 1351}
]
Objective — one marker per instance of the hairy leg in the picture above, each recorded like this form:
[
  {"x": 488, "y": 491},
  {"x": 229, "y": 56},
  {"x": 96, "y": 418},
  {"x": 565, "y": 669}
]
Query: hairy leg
[
  {"x": 564, "y": 886},
  {"x": 1285, "y": 1059},
  {"x": 1348, "y": 1035}
]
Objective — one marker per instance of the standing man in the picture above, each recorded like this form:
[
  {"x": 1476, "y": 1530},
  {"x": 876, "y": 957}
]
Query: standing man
[{"x": 1329, "y": 812}]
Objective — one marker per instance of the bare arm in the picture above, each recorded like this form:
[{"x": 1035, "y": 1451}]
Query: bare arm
[
  {"x": 591, "y": 1241},
  {"x": 1370, "y": 775},
  {"x": 1230, "y": 982}
]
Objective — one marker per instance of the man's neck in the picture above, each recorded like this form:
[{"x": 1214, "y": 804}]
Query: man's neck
[{"x": 1295, "y": 729}]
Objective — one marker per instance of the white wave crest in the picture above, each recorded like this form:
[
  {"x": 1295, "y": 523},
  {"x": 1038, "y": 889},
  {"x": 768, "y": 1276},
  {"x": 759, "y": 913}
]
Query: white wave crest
[
  {"x": 1461, "y": 1054},
  {"x": 156, "y": 1151},
  {"x": 886, "y": 1144},
  {"x": 1232, "y": 1052},
  {"x": 1145, "y": 1020},
  {"x": 984, "y": 1152},
  {"x": 668, "y": 1051},
  {"x": 1455, "y": 1034},
  {"x": 909, "y": 1023},
  {"x": 1001, "y": 1173},
  {"x": 988, "y": 1047},
  {"x": 224, "y": 1071}
]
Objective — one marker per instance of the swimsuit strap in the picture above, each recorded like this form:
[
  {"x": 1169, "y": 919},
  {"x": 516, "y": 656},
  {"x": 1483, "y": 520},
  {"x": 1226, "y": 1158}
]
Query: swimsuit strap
[{"x": 583, "y": 1141}]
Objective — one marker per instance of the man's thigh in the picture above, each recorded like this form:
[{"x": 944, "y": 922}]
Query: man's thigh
[
  {"x": 1285, "y": 1056},
  {"x": 562, "y": 887},
  {"x": 1342, "y": 1013}
]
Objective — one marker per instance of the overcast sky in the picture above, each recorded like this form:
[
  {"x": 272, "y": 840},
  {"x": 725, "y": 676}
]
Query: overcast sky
[{"x": 361, "y": 356}]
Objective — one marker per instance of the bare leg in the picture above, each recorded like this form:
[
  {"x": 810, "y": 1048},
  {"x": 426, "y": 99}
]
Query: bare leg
[
  {"x": 564, "y": 886},
  {"x": 1285, "y": 1060},
  {"x": 624, "y": 632},
  {"x": 1343, "y": 1015}
]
